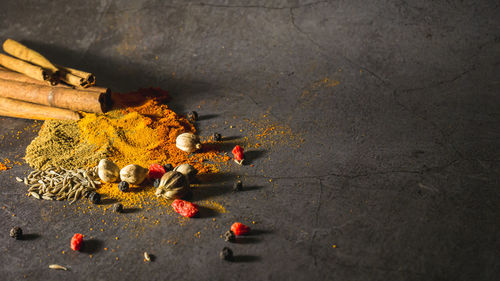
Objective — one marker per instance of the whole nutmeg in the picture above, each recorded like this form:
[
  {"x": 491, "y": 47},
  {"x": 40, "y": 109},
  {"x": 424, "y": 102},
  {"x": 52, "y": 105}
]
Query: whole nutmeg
[
  {"x": 133, "y": 174},
  {"x": 108, "y": 171},
  {"x": 173, "y": 185},
  {"x": 187, "y": 170},
  {"x": 188, "y": 142}
]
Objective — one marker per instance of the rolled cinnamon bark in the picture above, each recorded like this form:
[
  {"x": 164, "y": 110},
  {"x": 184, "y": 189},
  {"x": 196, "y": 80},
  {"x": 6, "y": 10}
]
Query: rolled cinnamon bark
[
  {"x": 20, "y": 51},
  {"x": 15, "y": 76},
  {"x": 21, "y": 109},
  {"x": 33, "y": 71},
  {"x": 70, "y": 76},
  {"x": 73, "y": 99}
]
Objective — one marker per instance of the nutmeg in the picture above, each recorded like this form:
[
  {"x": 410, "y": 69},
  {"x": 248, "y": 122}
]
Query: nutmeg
[
  {"x": 108, "y": 171},
  {"x": 173, "y": 185},
  {"x": 188, "y": 142},
  {"x": 133, "y": 174}
]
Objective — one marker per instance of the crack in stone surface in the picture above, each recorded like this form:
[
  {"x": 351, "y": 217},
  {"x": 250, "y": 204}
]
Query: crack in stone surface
[{"x": 202, "y": 4}]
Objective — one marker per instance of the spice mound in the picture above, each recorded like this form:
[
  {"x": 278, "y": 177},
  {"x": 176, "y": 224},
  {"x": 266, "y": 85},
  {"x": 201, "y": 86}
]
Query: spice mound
[{"x": 141, "y": 133}]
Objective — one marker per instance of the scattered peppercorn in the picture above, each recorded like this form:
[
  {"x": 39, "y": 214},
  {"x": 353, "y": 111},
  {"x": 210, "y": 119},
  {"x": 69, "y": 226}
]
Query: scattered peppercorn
[
  {"x": 95, "y": 197},
  {"x": 156, "y": 183},
  {"x": 238, "y": 186},
  {"x": 76, "y": 242},
  {"x": 217, "y": 137},
  {"x": 229, "y": 236},
  {"x": 239, "y": 229},
  {"x": 16, "y": 233},
  {"x": 168, "y": 167},
  {"x": 117, "y": 208},
  {"x": 192, "y": 116},
  {"x": 226, "y": 254},
  {"x": 123, "y": 186}
]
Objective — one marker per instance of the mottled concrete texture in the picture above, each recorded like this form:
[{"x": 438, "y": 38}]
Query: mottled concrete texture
[{"x": 396, "y": 101}]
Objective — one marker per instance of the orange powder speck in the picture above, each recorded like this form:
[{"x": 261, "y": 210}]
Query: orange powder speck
[{"x": 5, "y": 166}]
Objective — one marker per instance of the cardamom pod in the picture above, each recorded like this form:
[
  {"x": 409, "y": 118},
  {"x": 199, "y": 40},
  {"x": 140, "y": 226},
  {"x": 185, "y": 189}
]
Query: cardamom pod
[
  {"x": 108, "y": 171},
  {"x": 173, "y": 185},
  {"x": 133, "y": 174},
  {"x": 187, "y": 170},
  {"x": 188, "y": 142}
]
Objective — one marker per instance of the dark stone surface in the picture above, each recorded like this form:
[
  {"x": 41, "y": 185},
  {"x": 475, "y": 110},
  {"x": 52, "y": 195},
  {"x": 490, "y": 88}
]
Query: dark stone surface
[{"x": 398, "y": 168}]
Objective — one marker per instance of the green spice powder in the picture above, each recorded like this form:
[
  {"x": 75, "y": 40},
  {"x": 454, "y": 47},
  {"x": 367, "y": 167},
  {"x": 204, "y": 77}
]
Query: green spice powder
[{"x": 58, "y": 144}]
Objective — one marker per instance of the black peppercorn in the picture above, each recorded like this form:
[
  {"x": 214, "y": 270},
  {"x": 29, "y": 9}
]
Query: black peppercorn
[
  {"x": 229, "y": 236},
  {"x": 217, "y": 137},
  {"x": 238, "y": 186},
  {"x": 192, "y": 116},
  {"x": 123, "y": 186},
  {"x": 117, "y": 208},
  {"x": 95, "y": 197},
  {"x": 16, "y": 232},
  {"x": 168, "y": 167},
  {"x": 226, "y": 254}
]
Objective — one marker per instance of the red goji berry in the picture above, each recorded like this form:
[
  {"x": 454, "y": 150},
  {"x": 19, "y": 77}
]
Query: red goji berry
[
  {"x": 185, "y": 208},
  {"x": 156, "y": 171},
  {"x": 239, "y": 229},
  {"x": 76, "y": 242},
  {"x": 238, "y": 154}
]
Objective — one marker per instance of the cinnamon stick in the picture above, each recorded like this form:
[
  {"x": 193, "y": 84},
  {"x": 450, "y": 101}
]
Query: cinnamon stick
[
  {"x": 15, "y": 76},
  {"x": 77, "y": 77},
  {"x": 73, "y": 99},
  {"x": 20, "y": 51},
  {"x": 33, "y": 71},
  {"x": 21, "y": 109}
]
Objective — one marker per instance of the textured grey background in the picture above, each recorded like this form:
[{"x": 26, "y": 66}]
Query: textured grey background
[{"x": 399, "y": 165}]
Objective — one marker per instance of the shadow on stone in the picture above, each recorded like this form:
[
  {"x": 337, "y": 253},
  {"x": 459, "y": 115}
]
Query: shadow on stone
[
  {"x": 215, "y": 178},
  {"x": 30, "y": 236},
  {"x": 130, "y": 210},
  {"x": 205, "y": 212},
  {"x": 252, "y": 155},
  {"x": 207, "y": 116},
  {"x": 246, "y": 240},
  {"x": 259, "y": 232},
  {"x": 107, "y": 201},
  {"x": 204, "y": 192},
  {"x": 230, "y": 138},
  {"x": 91, "y": 246},
  {"x": 246, "y": 258}
]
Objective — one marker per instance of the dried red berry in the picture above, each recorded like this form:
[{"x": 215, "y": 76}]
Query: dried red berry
[
  {"x": 185, "y": 208},
  {"x": 156, "y": 171},
  {"x": 76, "y": 242},
  {"x": 238, "y": 154},
  {"x": 239, "y": 229}
]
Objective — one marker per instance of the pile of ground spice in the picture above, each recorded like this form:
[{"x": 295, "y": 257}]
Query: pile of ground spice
[{"x": 140, "y": 130}]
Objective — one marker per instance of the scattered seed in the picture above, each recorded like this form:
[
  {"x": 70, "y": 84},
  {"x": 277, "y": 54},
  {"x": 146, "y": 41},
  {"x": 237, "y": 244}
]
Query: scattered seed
[
  {"x": 61, "y": 183},
  {"x": 147, "y": 257},
  {"x": 56, "y": 266},
  {"x": 44, "y": 197},
  {"x": 36, "y": 195},
  {"x": 19, "y": 179}
]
